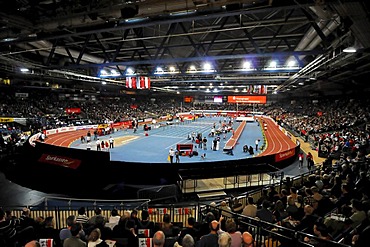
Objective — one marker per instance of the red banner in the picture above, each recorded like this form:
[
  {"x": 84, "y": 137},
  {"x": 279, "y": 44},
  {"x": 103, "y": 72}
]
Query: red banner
[
  {"x": 247, "y": 99},
  {"x": 126, "y": 124},
  {"x": 188, "y": 99},
  {"x": 60, "y": 161},
  {"x": 284, "y": 155},
  {"x": 141, "y": 82},
  {"x": 144, "y": 82},
  {"x": 73, "y": 110}
]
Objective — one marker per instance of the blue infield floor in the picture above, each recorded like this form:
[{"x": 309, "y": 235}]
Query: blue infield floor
[{"x": 154, "y": 148}]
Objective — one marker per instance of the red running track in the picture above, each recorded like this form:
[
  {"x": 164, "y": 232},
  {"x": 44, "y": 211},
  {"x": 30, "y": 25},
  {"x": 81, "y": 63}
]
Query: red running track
[
  {"x": 65, "y": 139},
  {"x": 277, "y": 141}
]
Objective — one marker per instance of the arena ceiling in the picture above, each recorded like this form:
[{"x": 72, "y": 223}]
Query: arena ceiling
[{"x": 170, "y": 42}]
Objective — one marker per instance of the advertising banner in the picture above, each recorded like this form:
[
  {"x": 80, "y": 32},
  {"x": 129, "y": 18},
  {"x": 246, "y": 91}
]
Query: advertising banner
[
  {"x": 247, "y": 99},
  {"x": 60, "y": 161}
]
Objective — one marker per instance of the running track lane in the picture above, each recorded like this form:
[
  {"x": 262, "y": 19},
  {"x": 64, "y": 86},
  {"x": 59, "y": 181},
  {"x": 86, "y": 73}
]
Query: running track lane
[
  {"x": 65, "y": 139},
  {"x": 277, "y": 141},
  {"x": 230, "y": 144}
]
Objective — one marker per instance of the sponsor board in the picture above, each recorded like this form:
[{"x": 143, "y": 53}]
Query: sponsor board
[
  {"x": 73, "y": 110},
  {"x": 50, "y": 132},
  {"x": 6, "y": 120},
  {"x": 60, "y": 161},
  {"x": 260, "y": 99},
  {"x": 284, "y": 155},
  {"x": 21, "y": 95}
]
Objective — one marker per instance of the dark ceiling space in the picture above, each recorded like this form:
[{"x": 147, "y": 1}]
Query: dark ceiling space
[{"x": 170, "y": 41}]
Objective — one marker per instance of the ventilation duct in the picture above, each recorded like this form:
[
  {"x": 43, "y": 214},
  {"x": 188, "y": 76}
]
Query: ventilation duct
[
  {"x": 333, "y": 24},
  {"x": 311, "y": 39}
]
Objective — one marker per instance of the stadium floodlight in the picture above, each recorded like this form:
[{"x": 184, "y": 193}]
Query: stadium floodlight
[
  {"x": 291, "y": 63},
  {"x": 273, "y": 64},
  {"x": 24, "y": 70},
  {"x": 103, "y": 72},
  {"x": 159, "y": 70},
  {"x": 246, "y": 65},
  {"x": 207, "y": 67},
  {"x": 349, "y": 49},
  {"x": 130, "y": 71},
  {"x": 114, "y": 72}
]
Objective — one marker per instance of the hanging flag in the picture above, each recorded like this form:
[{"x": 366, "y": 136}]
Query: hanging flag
[
  {"x": 141, "y": 82},
  {"x": 147, "y": 83},
  {"x": 131, "y": 82}
]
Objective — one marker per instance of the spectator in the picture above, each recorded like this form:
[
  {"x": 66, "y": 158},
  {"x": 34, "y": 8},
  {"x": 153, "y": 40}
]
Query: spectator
[
  {"x": 224, "y": 240},
  {"x": 167, "y": 227},
  {"x": 235, "y": 236},
  {"x": 94, "y": 239},
  {"x": 66, "y": 232},
  {"x": 48, "y": 230},
  {"x": 248, "y": 240},
  {"x": 146, "y": 223},
  {"x": 114, "y": 218},
  {"x": 225, "y": 209},
  {"x": 33, "y": 243},
  {"x": 159, "y": 239},
  {"x": 187, "y": 241},
  {"x": 9, "y": 232},
  {"x": 322, "y": 234},
  {"x": 97, "y": 216},
  {"x": 210, "y": 239},
  {"x": 265, "y": 213},
  {"x": 250, "y": 209},
  {"x": 189, "y": 230},
  {"x": 82, "y": 217},
  {"x": 74, "y": 241}
]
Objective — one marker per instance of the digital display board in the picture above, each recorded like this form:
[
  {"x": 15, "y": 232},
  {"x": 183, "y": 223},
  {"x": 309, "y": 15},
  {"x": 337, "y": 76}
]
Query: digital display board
[
  {"x": 217, "y": 99},
  {"x": 188, "y": 99},
  {"x": 247, "y": 99}
]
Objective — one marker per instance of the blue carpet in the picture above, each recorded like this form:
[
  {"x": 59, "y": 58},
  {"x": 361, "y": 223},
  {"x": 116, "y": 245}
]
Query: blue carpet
[{"x": 155, "y": 147}]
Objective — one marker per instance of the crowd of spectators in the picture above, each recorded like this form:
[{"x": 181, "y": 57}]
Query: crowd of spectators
[
  {"x": 334, "y": 126},
  {"x": 332, "y": 203},
  {"x": 124, "y": 230}
]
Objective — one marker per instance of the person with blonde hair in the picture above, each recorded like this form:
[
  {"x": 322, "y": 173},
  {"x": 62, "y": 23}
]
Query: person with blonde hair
[
  {"x": 94, "y": 239},
  {"x": 224, "y": 240}
]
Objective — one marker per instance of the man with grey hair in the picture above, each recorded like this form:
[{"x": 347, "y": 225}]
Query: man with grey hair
[
  {"x": 188, "y": 241},
  {"x": 224, "y": 240},
  {"x": 158, "y": 239}
]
